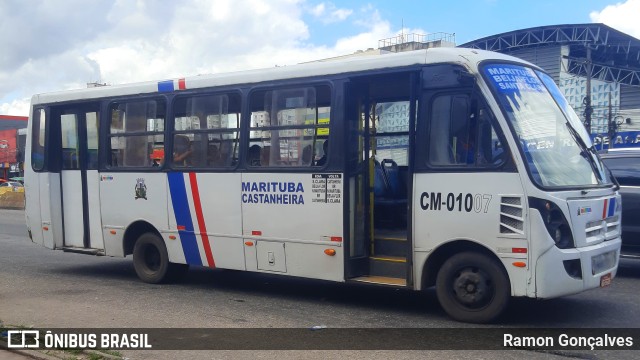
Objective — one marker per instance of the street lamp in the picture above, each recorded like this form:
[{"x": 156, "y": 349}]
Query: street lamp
[{"x": 614, "y": 125}]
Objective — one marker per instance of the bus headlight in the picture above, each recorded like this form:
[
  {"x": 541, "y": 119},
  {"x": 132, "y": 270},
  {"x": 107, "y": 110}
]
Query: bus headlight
[{"x": 555, "y": 222}]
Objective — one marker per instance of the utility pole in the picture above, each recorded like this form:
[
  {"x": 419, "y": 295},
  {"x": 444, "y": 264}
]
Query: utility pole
[
  {"x": 588, "y": 110},
  {"x": 611, "y": 123}
]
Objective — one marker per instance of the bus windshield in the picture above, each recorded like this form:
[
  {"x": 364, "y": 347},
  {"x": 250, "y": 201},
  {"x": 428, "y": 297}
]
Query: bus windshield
[{"x": 555, "y": 144}]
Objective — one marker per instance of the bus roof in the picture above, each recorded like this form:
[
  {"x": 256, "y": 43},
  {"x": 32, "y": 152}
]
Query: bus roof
[{"x": 463, "y": 56}]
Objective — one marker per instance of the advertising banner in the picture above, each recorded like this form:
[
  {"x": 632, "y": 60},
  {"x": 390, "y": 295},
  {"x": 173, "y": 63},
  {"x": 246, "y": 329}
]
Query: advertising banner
[
  {"x": 8, "y": 146},
  {"x": 622, "y": 140}
]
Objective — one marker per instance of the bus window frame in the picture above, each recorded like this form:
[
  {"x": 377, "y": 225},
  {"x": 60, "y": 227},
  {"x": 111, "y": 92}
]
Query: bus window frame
[
  {"x": 289, "y": 85},
  {"x": 423, "y": 132},
  {"x": 171, "y": 132},
  {"x": 35, "y": 135},
  {"x": 107, "y": 150}
]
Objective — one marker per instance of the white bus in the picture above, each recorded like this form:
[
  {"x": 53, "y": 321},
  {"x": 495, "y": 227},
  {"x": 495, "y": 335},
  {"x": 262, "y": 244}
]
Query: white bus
[{"x": 455, "y": 168}]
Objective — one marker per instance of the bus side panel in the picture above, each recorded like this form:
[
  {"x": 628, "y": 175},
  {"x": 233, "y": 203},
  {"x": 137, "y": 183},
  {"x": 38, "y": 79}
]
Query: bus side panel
[
  {"x": 304, "y": 212},
  {"x": 32, "y": 206},
  {"x": 129, "y": 197},
  {"x": 95, "y": 221},
  {"x": 206, "y": 209},
  {"x": 472, "y": 206},
  {"x": 51, "y": 209},
  {"x": 72, "y": 208}
]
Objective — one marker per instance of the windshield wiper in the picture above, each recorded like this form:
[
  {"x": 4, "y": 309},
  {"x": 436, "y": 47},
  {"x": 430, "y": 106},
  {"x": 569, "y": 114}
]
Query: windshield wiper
[{"x": 588, "y": 152}]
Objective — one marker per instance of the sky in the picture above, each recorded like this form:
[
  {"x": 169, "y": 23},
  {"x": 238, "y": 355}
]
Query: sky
[{"x": 64, "y": 44}]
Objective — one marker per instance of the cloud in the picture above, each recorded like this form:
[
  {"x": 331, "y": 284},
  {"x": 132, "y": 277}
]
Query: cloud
[
  {"x": 621, "y": 16},
  {"x": 15, "y": 107},
  {"x": 45, "y": 28},
  {"x": 318, "y": 10},
  {"x": 341, "y": 14},
  {"x": 328, "y": 13},
  {"x": 64, "y": 45}
]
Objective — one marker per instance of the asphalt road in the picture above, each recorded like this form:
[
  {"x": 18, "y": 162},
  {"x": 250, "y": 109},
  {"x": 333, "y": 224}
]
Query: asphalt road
[{"x": 52, "y": 289}]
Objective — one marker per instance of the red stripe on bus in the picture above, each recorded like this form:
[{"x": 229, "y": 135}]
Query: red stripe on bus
[
  {"x": 604, "y": 211},
  {"x": 181, "y": 84},
  {"x": 203, "y": 229}
]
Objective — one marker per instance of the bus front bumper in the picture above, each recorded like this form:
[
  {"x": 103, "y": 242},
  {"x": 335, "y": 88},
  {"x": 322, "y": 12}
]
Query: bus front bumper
[{"x": 562, "y": 272}]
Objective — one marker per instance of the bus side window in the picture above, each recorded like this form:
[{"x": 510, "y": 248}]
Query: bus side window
[
  {"x": 206, "y": 131},
  {"x": 143, "y": 118},
  {"x": 449, "y": 130},
  {"x": 490, "y": 149},
  {"x": 289, "y": 126},
  {"x": 38, "y": 140},
  {"x": 462, "y": 135}
]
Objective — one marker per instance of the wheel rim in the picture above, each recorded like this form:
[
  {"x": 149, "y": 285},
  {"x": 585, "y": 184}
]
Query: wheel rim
[
  {"x": 152, "y": 259},
  {"x": 473, "y": 288}
]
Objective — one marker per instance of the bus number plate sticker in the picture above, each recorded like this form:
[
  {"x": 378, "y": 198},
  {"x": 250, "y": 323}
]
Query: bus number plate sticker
[{"x": 605, "y": 280}]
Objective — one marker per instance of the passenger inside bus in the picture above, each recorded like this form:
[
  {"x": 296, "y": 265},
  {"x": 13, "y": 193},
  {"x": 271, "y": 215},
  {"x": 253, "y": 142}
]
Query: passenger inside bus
[
  {"x": 182, "y": 150},
  {"x": 213, "y": 156},
  {"x": 306, "y": 156},
  {"x": 253, "y": 157},
  {"x": 265, "y": 156},
  {"x": 323, "y": 159}
]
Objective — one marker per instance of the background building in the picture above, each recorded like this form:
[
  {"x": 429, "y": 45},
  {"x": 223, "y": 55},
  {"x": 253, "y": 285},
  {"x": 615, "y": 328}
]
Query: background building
[{"x": 596, "y": 67}]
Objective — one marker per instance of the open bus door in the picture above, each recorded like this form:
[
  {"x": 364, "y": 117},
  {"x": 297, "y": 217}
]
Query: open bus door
[
  {"x": 75, "y": 139},
  {"x": 381, "y": 114}
]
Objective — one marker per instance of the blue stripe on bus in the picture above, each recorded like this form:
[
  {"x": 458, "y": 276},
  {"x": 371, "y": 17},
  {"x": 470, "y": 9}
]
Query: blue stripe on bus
[
  {"x": 612, "y": 207},
  {"x": 165, "y": 86},
  {"x": 183, "y": 218}
]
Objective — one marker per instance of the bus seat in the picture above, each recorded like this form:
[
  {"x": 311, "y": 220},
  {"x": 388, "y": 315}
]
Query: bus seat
[
  {"x": 392, "y": 174},
  {"x": 380, "y": 186},
  {"x": 391, "y": 201}
]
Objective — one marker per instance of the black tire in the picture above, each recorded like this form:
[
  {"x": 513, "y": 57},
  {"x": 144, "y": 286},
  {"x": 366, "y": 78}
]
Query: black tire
[
  {"x": 473, "y": 287},
  {"x": 151, "y": 260}
]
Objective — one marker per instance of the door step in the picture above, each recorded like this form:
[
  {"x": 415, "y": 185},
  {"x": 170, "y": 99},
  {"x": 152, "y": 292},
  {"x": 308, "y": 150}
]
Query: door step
[
  {"x": 390, "y": 246},
  {"x": 388, "y": 266},
  {"x": 390, "y": 242},
  {"x": 86, "y": 251},
  {"x": 388, "y": 258},
  {"x": 381, "y": 280}
]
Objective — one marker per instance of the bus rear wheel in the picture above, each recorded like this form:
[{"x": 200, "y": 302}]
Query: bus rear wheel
[
  {"x": 473, "y": 287},
  {"x": 151, "y": 261}
]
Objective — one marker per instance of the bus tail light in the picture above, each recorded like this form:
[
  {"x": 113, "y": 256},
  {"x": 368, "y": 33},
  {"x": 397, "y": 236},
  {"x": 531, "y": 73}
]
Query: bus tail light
[{"x": 555, "y": 222}]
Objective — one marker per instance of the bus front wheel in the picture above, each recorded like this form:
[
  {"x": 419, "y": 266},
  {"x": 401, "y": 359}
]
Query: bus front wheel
[
  {"x": 151, "y": 260},
  {"x": 473, "y": 287}
]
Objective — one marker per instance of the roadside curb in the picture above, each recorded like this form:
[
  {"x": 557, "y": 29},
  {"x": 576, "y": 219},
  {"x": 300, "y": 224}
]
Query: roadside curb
[{"x": 33, "y": 354}]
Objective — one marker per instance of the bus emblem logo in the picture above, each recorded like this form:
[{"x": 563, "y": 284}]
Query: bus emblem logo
[
  {"x": 584, "y": 210},
  {"x": 141, "y": 189}
]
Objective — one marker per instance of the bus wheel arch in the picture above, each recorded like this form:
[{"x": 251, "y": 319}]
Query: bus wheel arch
[
  {"x": 133, "y": 233},
  {"x": 150, "y": 255},
  {"x": 471, "y": 282}
]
